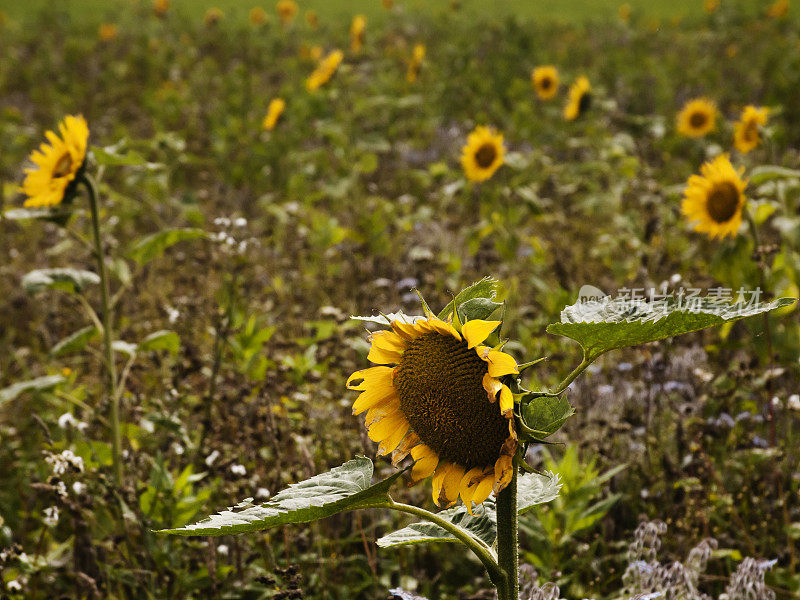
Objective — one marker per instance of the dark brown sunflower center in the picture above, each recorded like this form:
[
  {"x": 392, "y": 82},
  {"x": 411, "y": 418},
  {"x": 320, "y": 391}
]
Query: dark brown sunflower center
[
  {"x": 584, "y": 103},
  {"x": 698, "y": 119},
  {"x": 63, "y": 166},
  {"x": 545, "y": 83},
  {"x": 723, "y": 201},
  {"x": 485, "y": 155},
  {"x": 439, "y": 382},
  {"x": 750, "y": 131}
]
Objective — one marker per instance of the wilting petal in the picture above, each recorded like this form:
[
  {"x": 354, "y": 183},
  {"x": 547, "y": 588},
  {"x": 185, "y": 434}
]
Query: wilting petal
[
  {"x": 484, "y": 488},
  {"x": 391, "y": 442},
  {"x": 506, "y": 401},
  {"x": 492, "y": 386},
  {"x": 503, "y": 471},
  {"x": 477, "y": 330},
  {"x": 426, "y": 461},
  {"x": 411, "y": 440},
  {"x": 467, "y": 486}
]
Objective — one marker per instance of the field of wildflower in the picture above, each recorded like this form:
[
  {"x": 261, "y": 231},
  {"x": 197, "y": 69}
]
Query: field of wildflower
[{"x": 397, "y": 300}]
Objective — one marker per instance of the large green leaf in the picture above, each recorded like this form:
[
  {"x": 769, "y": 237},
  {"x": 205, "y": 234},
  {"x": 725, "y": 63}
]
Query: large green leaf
[
  {"x": 766, "y": 173},
  {"x": 603, "y": 325},
  {"x": 475, "y": 301},
  {"x": 38, "y": 384},
  {"x": 341, "y": 489},
  {"x": 70, "y": 280},
  {"x": 75, "y": 342},
  {"x": 154, "y": 245},
  {"x": 532, "y": 489},
  {"x": 544, "y": 414}
]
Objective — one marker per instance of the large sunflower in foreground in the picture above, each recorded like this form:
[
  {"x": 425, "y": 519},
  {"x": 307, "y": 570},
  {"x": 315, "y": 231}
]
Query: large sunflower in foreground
[
  {"x": 697, "y": 118},
  {"x": 580, "y": 98},
  {"x": 745, "y": 132},
  {"x": 483, "y": 154},
  {"x": 545, "y": 81},
  {"x": 58, "y": 163},
  {"x": 438, "y": 395},
  {"x": 715, "y": 199}
]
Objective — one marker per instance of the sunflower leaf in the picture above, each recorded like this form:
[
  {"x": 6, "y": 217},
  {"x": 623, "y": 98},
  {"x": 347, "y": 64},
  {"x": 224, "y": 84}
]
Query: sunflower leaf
[
  {"x": 532, "y": 489},
  {"x": 544, "y": 414},
  {"x": 154, "y": 245},
  {"x": 75, "y": 342},
  {"x": 600, "y": 326},
  {"x": 341, "y": 489},
  {"x": 39, "y": 383},
  {"x": 475, "y": 301},
  {"x": 765, "y": 173},
  {"x": 69, "y": 280}
]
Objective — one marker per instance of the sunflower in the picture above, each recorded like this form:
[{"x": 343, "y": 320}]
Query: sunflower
[
  {"x": 58, "y": 163},
  {"x": 160, "y": 7},
  {"x": 415, "y": 63},
  {"x": 714, "y": 200},
  {"x": 778, "y": 9},
  {"x": 312, "y": 19},
  {"x": 258, "y": 16},
  {"x": 710, "y": 6},
  {"x": 213, "y": 16},
  {"x": 107, "y": 32},
  {"x": 274, "y": 111},
  {"x": 545, "y": 81},
  {"x": 483, "y": 154},
  {"x": 438, "y": 395},
  {"x": 287, "y": 10},
  {"x": 745, "y": 131},
  {"x": 357, "y": 28},
  {"x": 325, "y": 70},
  {"x": 697, "y": 118},
  {"x": 580, "y": 98},
  {"x": 624, "y": 12}
]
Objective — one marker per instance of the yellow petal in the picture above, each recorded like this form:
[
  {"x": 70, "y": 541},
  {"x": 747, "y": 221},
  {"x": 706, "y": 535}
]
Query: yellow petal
[
  {"x": 467, "y": 486},
  {"x": 378, "y": 412},
  {"x": 477, "y": 330},
  {"x": 380, "y": 376},
  {"x": 450, "y": 485},
  {"x": 390, "y": 443},
  {"x": 437, "y": 481},
  {"x": 492, "y": 386},
  {"x": 426, "y": 461},
  {"x": 386, "y": 426},
  {"x": 387, "y": 340},
  {"x": 444, "y": 328},
  {"x": 484, "y": 488},
  {"x": 503, "y": 471},
  {"x": 411, "y": 440},
  {"x": 380, "y": 356},
  {"x": 500, "y": 363},
  {"x": 506, "y": 401},
  {"x": 373, "y": 397}
]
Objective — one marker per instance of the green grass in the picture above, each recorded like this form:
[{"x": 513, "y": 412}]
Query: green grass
[{"x": 560, "y": 10}]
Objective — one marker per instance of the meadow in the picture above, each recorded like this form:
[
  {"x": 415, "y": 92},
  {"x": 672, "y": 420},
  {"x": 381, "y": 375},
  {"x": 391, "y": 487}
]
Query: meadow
[{"x": 177, "y": 293}]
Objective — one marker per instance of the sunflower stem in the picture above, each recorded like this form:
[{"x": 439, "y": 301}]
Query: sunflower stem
[
  {"x": 481, "y": 550},
  {"x": 111, "y": 370},
  {"x": 507, "y": 538}
]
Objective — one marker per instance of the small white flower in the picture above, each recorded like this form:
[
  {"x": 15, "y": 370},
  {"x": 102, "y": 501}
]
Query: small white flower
[
  {"x": 66, "y": 420},
  {"x": 172, "y": 313},
  {"x": 51, "y": 516},
  {"x": 238, "y": 469},
  {"x": 222, "y": 549},
  {"x": 61, "y": 489},
  {"x": 794, "y": 402},
  {"x": 240, "y": 222},
  {"x": 177, "y": 448},
  {"x": 262, "y": 493},
  {"x": 79, "y": 488},
  {"x": 211, "y": 458},
  {"x": 14, "y": 586}
]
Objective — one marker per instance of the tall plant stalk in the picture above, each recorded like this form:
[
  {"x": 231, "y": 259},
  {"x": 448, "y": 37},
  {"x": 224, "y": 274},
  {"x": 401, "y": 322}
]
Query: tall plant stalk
[
  {"x": 507, "y": 539},
  {"x": 111, "y": 369}
]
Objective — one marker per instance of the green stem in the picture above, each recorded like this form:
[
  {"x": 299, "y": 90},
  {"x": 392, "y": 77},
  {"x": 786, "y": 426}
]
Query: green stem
[
  {"x": 507, "y": 537},
  {"x": 481, "y": 550},
  {"x": 111, "y": 370},
  {"x": 575, "y": 372}
]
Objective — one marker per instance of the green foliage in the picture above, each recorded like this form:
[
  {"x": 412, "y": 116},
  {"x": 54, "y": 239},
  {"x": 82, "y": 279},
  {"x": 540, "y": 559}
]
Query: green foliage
[
  {"x": 543, "y": 414},
  {"x": 38, "y": 384},
  {"x": 341, "y": 489},
  {"x": 475, "y": 301},
  {"x": 75, "y": 342},
  {"x": 152, "y": 246},
  {"x": 170, "y": 499},
  {"x": 67, "y": 280}
]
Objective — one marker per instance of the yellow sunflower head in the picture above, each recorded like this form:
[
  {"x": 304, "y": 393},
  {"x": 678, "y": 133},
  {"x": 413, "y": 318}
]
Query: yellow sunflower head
[
  {"x": 325, "y": 70},
  {"x": 312, "y": 18},
  {"x": 440, "y": 395},
  {"x": 258, "y": 16},
  {"x": 274, "y": 111},
  {"x": 483, "y": 154},
  {"x": 746, "y": 131},
  {"x": 287, "y": 10},
  {"x": 778, "y": 9},
  {"x": 357, "y": 28},
  {"x": 545, "y": 81},
  {"x": 697, "y": 118},
  {"x": 58, "y": 164},
  {"x": 107, "y": 32},
  {"x": 415, "y": 63},
  {"x": 714, "y": 200},
  {"x": 160, "y": 7},
  {"x": 580, "y": 98},
  {"x": 213, "y": 16}
]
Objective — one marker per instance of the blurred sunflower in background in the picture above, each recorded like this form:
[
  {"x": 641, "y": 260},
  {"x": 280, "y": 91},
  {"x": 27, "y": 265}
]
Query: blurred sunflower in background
[
  {"x": 714, "y": 200},
  {"x": 258, "y": 16},
  {"x": 213, "y": 16},
  {"x": 697, "y": 118},
  {"x": 483, "y": 153},
  {"x": 325, "y": 70},
  {"x": 357, "y": 28},
  {"x": 545, "y": 81},
  {"x": 287, "y": 10},
  {"x": 439, "y": 396},
  {"x": 107, "y": 32},
  {"x": 160, "y": 7},
  {"x": 778, "y": 9},
  {"x": 746, "y": 131},
  {"x": 580, "y": 98},
  {"x": 312, "y": 18},
  {"x": 58, "y": 162},
  {"x": 415, "y": 64},
  {"x": 274, "y": 111}
]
